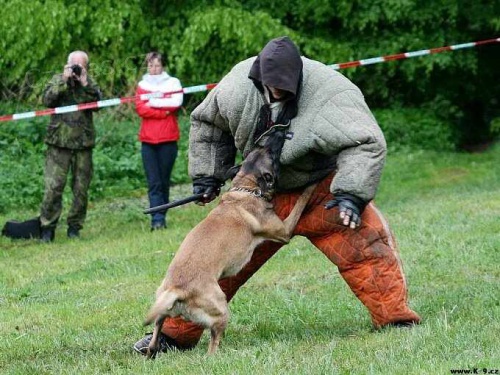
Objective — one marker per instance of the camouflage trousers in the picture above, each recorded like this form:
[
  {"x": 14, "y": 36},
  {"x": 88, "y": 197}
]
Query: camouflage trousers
[{"x": 59, "y": 163}]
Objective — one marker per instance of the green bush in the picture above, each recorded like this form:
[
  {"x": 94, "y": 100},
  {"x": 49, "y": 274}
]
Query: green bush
[
  {"x": 415, "y": 128},
  {"x": 21, "y": 162},
  {"x": 495, "y": 127}
]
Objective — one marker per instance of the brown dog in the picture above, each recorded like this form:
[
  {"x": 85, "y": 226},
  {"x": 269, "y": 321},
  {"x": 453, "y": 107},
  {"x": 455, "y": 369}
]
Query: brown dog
[{"x": 221, "y": 244}]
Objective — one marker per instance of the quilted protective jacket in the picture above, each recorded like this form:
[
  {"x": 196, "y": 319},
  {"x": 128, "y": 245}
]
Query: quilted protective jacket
[{"x": 334, "y": 130}]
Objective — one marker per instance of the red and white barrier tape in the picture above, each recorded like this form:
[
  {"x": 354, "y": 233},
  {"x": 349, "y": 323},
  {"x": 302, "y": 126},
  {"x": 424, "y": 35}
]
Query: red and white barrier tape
[
  {"x": 200, "y": 88},
  {"x": 102, "y": 103},
  {"x": 406, "y": 55}
]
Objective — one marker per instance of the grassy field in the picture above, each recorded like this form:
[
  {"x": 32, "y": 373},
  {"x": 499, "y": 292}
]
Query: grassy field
[{"x": 76, "y": 307}]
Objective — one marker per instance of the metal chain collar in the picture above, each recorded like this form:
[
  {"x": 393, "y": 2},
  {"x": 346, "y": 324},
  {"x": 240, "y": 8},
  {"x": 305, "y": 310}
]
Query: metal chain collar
[{"x": 256, "y": 192}]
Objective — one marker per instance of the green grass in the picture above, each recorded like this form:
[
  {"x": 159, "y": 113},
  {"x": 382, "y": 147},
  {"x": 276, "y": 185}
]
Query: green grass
[{"x": 76, "y": 307}]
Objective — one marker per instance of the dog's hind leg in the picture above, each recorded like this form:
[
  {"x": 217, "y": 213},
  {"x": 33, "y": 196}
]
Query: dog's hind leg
[
  {"x": 216, "y": 313},
  {"x": 216, "y": 331},
  {"x": 291, "y": 221}
]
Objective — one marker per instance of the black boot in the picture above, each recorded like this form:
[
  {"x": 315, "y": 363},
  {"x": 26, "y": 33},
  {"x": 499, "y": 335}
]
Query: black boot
[
  {"x": 73, "y": 232},
  {"x": 166, "y": 344},
  {"x": 47, "y": 235}
]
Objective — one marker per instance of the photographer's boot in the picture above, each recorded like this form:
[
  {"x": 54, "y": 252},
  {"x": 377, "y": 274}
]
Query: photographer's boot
[
  {"x": 47, "y": 235},
  {"x": 73, "y": 232}
]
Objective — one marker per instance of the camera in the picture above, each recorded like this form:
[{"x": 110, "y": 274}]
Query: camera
[{"x": 76, "y": 69}]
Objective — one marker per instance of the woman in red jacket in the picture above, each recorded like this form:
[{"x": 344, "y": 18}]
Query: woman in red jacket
[{"x": 159, "y": 131}]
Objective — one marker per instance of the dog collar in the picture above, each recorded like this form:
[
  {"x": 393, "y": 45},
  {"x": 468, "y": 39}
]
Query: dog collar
[{"x": 255, "y": 192}]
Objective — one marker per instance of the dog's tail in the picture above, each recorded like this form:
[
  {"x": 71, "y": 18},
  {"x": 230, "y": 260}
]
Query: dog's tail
[{"x": 164, "y": 303}]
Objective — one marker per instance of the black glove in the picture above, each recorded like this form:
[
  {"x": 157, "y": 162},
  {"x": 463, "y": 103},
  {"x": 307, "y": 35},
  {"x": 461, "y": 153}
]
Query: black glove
[
  {"x": 209, "y": 186},
  {"x": 350, "y": 208}
]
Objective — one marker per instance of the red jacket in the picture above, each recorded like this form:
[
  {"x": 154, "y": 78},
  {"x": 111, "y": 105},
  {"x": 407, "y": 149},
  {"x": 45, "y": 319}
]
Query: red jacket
[{"x": 158, "y": 115}]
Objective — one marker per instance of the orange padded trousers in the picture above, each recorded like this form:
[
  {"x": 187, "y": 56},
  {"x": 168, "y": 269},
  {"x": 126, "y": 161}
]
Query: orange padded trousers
[{"x": 367, "y": 258}]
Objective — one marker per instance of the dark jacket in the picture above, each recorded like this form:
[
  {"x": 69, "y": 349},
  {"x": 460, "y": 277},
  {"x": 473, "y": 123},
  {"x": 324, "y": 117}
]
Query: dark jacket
[{"x": 278, "y": 65}]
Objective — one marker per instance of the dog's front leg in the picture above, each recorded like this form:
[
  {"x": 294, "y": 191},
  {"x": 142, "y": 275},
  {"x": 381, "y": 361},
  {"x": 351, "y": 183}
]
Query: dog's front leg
[
  {"x": 154, "y": 344},
  {"x": 291, "y": 221}
]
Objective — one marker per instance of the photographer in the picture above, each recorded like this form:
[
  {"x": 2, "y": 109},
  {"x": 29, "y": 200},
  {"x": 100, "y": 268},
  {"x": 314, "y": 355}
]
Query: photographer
[{"x": 70, "y": 139}]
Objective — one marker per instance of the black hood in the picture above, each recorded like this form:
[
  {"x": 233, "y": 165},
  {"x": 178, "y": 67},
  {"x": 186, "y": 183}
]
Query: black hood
[{"x": 278, "y": 65}]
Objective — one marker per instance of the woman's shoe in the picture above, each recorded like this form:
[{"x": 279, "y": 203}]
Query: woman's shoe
[{"x": 158, "y": 226}]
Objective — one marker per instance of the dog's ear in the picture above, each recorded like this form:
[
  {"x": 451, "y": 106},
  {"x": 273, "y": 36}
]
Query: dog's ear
[
  {"x": 274, "y": 142},
  {"x": 232, "y": 172}
]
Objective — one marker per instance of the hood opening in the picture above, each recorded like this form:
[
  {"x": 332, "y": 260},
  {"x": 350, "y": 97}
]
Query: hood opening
[{"x": 278, "y": 65}]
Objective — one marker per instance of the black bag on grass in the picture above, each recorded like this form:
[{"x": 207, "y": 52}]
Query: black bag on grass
[{"x": 22, "y": 229}]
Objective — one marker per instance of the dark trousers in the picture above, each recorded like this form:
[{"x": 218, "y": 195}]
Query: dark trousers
[{"x": 158, "y": 161}]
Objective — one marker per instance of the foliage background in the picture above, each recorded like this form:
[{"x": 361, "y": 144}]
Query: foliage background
[{"x": 203, "y": 39}]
